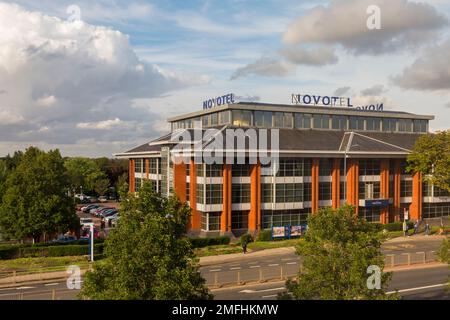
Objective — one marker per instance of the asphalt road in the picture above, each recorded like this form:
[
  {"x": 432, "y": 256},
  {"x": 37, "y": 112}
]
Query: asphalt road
[
  {"x": 417, "y": 283},
  {"x": 422, "y": 283}
]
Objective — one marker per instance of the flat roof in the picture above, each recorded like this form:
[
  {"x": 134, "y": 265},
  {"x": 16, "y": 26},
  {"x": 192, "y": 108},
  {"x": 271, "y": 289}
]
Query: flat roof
[{"x": 257, "y": 106}]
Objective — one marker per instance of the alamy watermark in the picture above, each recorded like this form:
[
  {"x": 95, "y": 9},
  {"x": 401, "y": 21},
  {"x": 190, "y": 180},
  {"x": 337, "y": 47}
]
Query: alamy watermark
[
  {"x": 374, "y": 20},
  {"x": 374, "y": 280},
  {"x": 74, "y": 279}
]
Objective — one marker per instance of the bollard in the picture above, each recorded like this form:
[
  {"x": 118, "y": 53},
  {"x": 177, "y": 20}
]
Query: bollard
[
  {"x": 238, "y": 277},
  {"x": 260, "y": 275},
  {"x": 409, "y": 259},
  {"x": 53, "y": 294},
  {"x": 281, "y": 272},
  {"x": 424, "y": 257}
]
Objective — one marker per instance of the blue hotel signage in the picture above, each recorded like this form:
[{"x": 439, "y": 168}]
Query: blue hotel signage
[
  {"x": 377, "y": 203},
  {"x": 330, "y": 101},
  {"x": 215, "y": 102}
]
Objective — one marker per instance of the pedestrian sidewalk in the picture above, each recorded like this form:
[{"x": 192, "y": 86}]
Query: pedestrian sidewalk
[
  {"x": 418, "y": 237},
  {"x": 250, "y": 255}
]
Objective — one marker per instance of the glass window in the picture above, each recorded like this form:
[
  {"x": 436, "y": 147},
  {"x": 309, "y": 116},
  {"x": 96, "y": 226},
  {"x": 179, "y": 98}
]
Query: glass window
[
  {"x": 302, "y": 121},
  {"x": 263, "y": 119},
  {"x": 224, "y": 117},
  {"x": 356, "y": 123},
  {"x": 240, "y": 170},
  {"x": 370, "y": 214},
  {"x": 279, "y": 218},
  {"x": 321, "y": 121},
  {"x": 324, "y": 190},
  {"x": 240, "y": 193},
  {"x": 210, "y": 221},
  {"x": 406, "y": 188},
  {"x": 137, "y": 184},
  {"x": 405, "y": 125},
  {"x": 369, "y": 190},
  {"x": 239, "y": 220},
  {"x": 153, "y": 166},
  {"x": 288, "y": 119},
  {"x": 369, "y": 167},
  {"x": 373, "y": 124},
  {"x": 339, "y": 123},
  {"x": 214, "y": 170},
  {"x": 242, "y": 118},
  {"x": 205, "y": 120},
  {"x": 389, "y": 125},
  {"x": 325, "y": 167},
  {"x": 290, "y": 168},
  {"x": 420, "y": 125},
  {"x": 138, "y": 165},
  {"x": 436, "y": 210},
  {"x": 278, "y": 119},
  {"x": 214, "y": 119},
  {"x": 199, "y": 195},
  {"x": 289, "y": 192},
  {"x": 214, "y": 194},
  {"x": 266, "y": 193}
]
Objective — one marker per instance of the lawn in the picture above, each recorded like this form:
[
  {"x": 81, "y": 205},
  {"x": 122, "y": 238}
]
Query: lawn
[{"x": 49, "y": 263}]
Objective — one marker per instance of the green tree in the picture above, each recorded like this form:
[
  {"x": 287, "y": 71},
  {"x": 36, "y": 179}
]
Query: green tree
[
  {"x": 101, "y": 186},
  {"x": 147, "y": 256},
  {"x": 83, "y": 172},
  {"x": 3, "y": 176},
  {"x": 431, "y": 156},
  {"x": 35, "y": 200},
  {"x": 336, "y": 252}
]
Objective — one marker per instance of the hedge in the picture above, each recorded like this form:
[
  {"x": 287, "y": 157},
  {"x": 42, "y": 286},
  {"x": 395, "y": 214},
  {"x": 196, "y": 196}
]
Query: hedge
[
  {"x": 204, "y": 242},
  {"x": 264, "y": 235},
  {"x": 20, "y": 251}
]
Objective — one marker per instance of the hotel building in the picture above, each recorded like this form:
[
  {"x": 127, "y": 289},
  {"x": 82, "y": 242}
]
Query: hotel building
[{"x": 328, "y": 156}]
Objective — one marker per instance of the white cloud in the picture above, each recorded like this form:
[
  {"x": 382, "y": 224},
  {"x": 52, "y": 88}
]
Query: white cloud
[
  {"x": 341, "y": 91},
  {"x": 310, "y": 56},
  {"x": 375, "y": 90},
  {"x": 404, "y": 24},
  {"x": 429, "y": 72},
  {"x": 55, "y": 74},
  {"x": 269, "y": 67}
]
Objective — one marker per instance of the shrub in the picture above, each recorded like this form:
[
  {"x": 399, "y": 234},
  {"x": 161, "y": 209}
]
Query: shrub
[
  {"x": 26, "y": 251},
  {"x": 247, "y": 238},
  {"x": 264, "y": 235},
  {"x": 204, "y": 242},
  {"x": 443, "y": 251}
]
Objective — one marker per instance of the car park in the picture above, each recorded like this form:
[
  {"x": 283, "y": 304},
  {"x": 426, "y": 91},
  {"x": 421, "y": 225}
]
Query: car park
[
  {"x": 103, "y": 199},
  {"x": 99, "y": 211},
  {"x": 89, "y": 207},
  {"x": 107, "y": 213}
]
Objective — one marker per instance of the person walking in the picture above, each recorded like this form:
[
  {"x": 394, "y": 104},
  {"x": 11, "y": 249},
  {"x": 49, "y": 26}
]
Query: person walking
[
  {"x": 416, "y": 227},
  {"x": 244, "y": 246},
  {"x": 405, "y": 228}
]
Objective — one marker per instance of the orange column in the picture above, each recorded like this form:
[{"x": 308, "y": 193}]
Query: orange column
[
  {"x": 147, "y": 168},
  {"x": 384, "y": 189},
  {"x": 416, "y": 205},
  {"x": 225, "y": 218},
  {"x": 335, "y": 184},
  {"x": 179, "y": 181},
  {"x": 315, "y": 185},
  {"x": 131, "y": 175},
  {"x": 255, "y": 212},
  {"x": 353, "y": 183},
  {"x": 195, "y": 215},
  {"x": 396, "y": 192}
]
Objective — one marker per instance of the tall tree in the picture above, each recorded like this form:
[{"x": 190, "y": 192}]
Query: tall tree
[
  {"x": 431, "y": 156},
  {"x": 101, "y": 186},
  {"x": 83, "y": 172},
  {"x": 35, "y": 200},
  {"x": 148, "y": 255},
  {"x": 336, "y": 252}
]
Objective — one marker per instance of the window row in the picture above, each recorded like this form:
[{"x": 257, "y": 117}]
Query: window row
[{"x": 279, "y": 218}]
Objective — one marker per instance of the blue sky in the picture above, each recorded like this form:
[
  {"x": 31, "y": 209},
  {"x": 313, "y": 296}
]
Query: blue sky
[{"x": 107, "y": 91}]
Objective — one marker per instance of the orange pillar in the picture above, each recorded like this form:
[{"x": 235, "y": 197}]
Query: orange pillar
[
  {"x": 147, "y": 167},
  {"x": 179, "y": 181},
  {"x": 315, "y": 185},
  {"x": 131, "y": 175},
  {"x": 417, "y": 199},
  {"x": 384, "y": 189},
  {"x": 335, "y": 184},
  {"x": 396, "y": 192},
  {"x": 195, "y": 215},
  {"x": 255, "y": 211},
  {"x": 353, "y": 183},
  {"x": 225, "y": 218}
]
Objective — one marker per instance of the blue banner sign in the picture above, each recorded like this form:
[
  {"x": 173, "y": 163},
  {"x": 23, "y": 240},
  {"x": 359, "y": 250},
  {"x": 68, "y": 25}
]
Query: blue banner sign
[
  {"x": 331, "y": 101},
  {"x": 377, "y": 203},
  {"x": 215, "y": 102}
]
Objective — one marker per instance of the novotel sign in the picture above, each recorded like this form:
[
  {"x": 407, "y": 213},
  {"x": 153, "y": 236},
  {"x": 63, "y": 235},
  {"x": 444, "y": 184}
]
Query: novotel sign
[
  {"x": 218, "y": 101},
  {"x": 308, "y": 99}
]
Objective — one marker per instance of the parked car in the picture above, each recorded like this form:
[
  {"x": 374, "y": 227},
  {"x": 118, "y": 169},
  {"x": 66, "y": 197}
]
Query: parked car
[
  {"x": 103, "y": 198},
  {"x": 65, "y": 239},
  {"x": 87, "y": 208},
  {"x": 108, "y": 213},
  {"x": 99, "y": 211},
  {"x": 94, "y": 210},
  {"x": 114, "y": 216}
]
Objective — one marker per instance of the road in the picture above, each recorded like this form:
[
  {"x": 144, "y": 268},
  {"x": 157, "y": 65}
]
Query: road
[
  {"x": 421, "y": 283},
  {"x": 418, "y": 283}
]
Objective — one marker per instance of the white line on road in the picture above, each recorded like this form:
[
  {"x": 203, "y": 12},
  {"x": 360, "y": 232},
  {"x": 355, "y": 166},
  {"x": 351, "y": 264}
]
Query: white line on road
[
  {"x": 263, "y": 290},
  {"x": 51, "y": 284},
  {"x": 273, "y": 265},
  {"x": 236, "y": 268},
  {"x": 24, "y": 288},
  {"x": 215, "y": 270},
  {"x": 271, "y": 296},
  {"x": 255, "y": 266},
  {"x": 418, "y": 288}
]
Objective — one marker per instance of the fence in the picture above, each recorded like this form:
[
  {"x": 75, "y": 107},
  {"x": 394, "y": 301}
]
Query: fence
[
  {"x": 55, "y": 294},
  {"x": 217, "y": 278}
]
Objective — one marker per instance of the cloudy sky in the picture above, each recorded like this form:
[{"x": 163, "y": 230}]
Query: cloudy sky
[{"x": 94, "y": 78}]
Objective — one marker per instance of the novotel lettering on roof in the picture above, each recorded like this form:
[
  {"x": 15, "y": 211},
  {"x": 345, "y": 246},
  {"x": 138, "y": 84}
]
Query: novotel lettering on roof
[
  {"x": 215, "y": 102},
  {"x": 307, "y": 99}
]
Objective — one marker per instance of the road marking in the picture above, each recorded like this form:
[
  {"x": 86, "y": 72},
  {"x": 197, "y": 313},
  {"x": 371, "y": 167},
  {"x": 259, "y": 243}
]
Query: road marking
[
  {"x": 287, "y": 259},
  {"x": 255, "y": 266},
  {"x": 271, "y": 296},
  {"x": 236, "y": 268},
  {"x": 51, "y": 284},
  {"x": 273, "y": 265},
  {"x": 418, "y": 288},
  {"x": 253, "y": 262},
  {"x": 24, "y": 288},
  {"x": 291, "y": 262},
  {"x": 263, "y": 290},
  {"x": 215, "y": 270}
]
